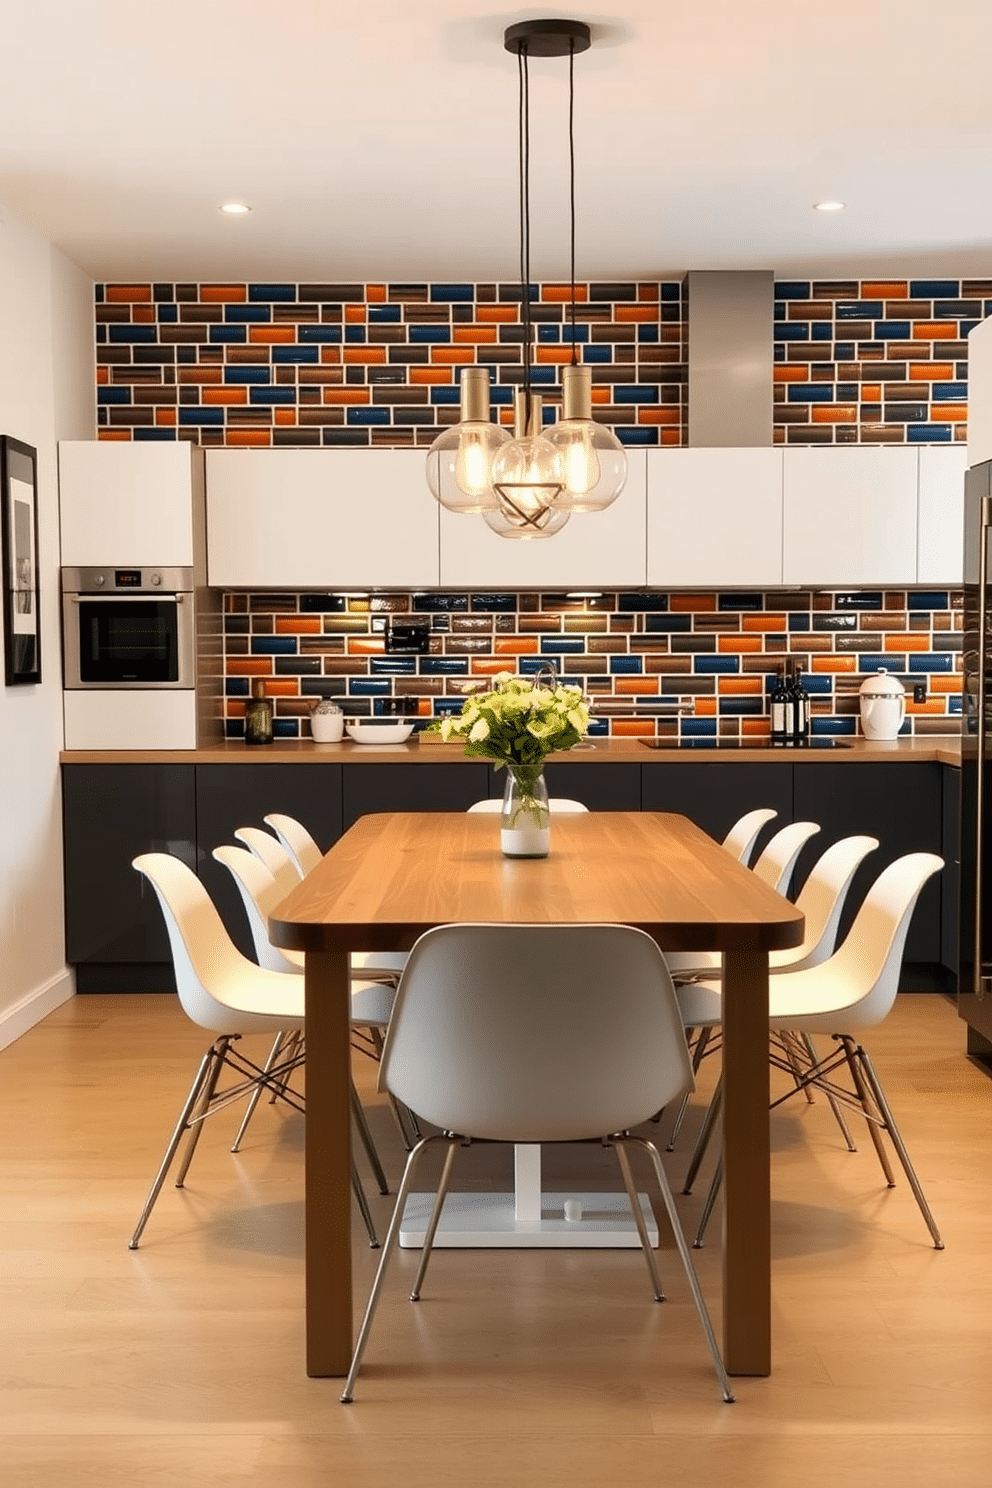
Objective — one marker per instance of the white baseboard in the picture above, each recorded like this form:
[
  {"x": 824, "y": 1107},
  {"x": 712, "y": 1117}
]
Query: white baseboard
[{"x": 23, "y": 1015}]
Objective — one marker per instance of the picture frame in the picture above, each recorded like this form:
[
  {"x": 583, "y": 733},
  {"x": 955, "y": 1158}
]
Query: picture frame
[{"x": 21, "y": 588}]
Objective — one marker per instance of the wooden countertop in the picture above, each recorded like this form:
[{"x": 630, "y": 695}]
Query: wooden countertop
[{"x": 944, "y": 749}]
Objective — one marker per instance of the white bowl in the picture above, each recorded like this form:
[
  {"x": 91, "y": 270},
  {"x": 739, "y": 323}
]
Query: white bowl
[{"x": 389, "y": 731}]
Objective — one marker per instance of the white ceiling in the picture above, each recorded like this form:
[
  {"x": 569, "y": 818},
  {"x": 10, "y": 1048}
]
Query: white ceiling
[{"x": 376, "y": 139}]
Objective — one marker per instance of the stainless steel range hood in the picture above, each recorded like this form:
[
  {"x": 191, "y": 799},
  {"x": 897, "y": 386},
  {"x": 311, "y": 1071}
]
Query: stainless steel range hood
[{"x": 730, "y": 325}]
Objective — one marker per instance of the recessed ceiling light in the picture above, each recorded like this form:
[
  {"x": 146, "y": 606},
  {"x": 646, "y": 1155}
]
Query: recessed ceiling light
[
  {"x": 235, "y": 209},
  {"x": 829, "y": 206}
]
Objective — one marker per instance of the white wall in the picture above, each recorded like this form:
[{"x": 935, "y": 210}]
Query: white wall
[{"x": 46, "y": 394}]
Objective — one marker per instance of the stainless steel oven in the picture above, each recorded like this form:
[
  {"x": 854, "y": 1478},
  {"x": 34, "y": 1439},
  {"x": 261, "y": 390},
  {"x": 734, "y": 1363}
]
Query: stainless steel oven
[{"x": 127, "y": 627}]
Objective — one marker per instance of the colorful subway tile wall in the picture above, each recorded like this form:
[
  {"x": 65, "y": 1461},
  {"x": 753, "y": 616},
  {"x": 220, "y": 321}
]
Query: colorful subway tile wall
[
  {"x": 639, "y": 656},
  {"x": 856, "y": 361}
]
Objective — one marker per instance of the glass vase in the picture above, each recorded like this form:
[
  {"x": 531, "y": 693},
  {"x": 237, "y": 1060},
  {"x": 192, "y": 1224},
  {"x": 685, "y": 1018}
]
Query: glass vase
[{"x": 525, "y": 826}]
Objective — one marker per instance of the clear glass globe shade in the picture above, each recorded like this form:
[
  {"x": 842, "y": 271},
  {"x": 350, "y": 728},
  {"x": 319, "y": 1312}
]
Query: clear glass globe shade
[
  {"x": 459, "y": 465},
  {"x": 528, "y": 477},
  {"x": 594, "y": 462},
  {"x": 545, "y": 523}
]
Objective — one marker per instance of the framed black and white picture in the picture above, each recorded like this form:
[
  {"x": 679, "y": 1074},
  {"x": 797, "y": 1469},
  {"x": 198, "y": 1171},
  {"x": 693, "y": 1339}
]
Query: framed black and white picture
[{"x": 19, "y": 526}]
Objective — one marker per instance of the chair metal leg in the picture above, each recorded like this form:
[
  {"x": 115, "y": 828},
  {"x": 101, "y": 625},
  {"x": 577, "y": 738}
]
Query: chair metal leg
[
  {"x": 710, "y": 1201},
  {"x": 690, "y": 1270},
  {"x": 197, "y": 1117},
  {"x": 428, "y": 1247},
  {"x": 834, "y": 1104},
  {"x": 279, "y": 1043},
  {"x": 192, "y": 1100},
  {"x": 361, "y": 1123},
  {"x": 705, "y": 1133},
  {"x": 392, "y": 1235},
  {"x": 620, "y": 1147},
  {"x": 363, "y": 1208},
  {"x": 864, "y": 1096},
  {"x": 899, "y": 1144}
]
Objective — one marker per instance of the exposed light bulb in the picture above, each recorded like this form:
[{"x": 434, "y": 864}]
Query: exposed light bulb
[
  {"x": 472, "y": 462},
  {"x": 581, "y": 468},
  {"x": 594, "y": 461},
  {"x": 459, "y": 462}
]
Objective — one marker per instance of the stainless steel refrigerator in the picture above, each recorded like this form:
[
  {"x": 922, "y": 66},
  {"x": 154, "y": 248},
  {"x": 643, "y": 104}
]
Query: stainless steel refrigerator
[{"x": 975, "y": 914}]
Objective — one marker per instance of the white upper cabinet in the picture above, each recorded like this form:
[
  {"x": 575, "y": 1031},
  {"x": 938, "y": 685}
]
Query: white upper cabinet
[
  {"x": 941, "y": 513},
  {"x": 593, "y": 550},
  {"x": 850, "y": 516},
  {"x": 126, "y": 504},
  {"x": 318, "y": 519},
  {"x": 715, "y": 518}
]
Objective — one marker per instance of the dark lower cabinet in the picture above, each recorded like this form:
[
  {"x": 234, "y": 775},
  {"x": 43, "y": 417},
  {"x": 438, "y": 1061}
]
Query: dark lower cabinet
[
  {"x": 608, "y": 786},
  {"x": 715, "y": 795},
  {"x": 115, "y": 934},
  {"x": 231, "y": 796},
  {"x": 429, "y": 787}
]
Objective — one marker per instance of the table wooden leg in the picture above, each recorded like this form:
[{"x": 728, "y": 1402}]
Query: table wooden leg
[
  {"x": 747, "y": 1181},
  {"x": 328, "y": 1164}
]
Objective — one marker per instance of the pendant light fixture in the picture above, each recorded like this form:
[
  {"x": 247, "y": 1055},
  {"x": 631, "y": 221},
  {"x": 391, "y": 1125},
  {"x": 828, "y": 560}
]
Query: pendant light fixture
[{"x": 529, "y": 486}]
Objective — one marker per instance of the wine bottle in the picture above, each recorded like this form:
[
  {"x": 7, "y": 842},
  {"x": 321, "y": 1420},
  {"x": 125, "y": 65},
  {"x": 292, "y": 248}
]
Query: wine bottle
[
  {"x": 801, "y": 697},
  {"x": 258, "y": 715},
  {"x": 778, "y": 707}
]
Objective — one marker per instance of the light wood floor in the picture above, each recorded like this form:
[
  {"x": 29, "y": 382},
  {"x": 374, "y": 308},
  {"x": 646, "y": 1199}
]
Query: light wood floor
[{"x": 182, "y": 1363}]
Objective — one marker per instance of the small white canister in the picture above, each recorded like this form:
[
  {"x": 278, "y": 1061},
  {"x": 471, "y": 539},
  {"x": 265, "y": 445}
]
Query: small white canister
[
  {"x": 326, "y": 722},
  {"x": 883, "y": 706}
]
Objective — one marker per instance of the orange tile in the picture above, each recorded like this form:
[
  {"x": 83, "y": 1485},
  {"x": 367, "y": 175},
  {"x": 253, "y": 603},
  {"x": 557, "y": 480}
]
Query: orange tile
[
  {"x": 931, "y": 371},
  {"x": 626, "y": 313},
  {"x": 254, "y": 437},
  {"x": 558, "y": 356},
  {"x": 730, "y": 644},
  {"x": 885, "y": 289},
  {"x": 430, "y": 376},
  {"x": 346, "y": 395},
  {"x": 763, "y": 622},
  {"x": 648, "y": 292},
  {"x": 375, "y": 294},
  {"x": 424, "y": 708},
  {"x": 632, "y": 728},
  {"x": 835, "y": 664},
  {"x": 754, "y": 727},
  {"x": 501, "y": 313},
  {"x": 739, "y": 685},
  {"x": 365, "y": 354},
  {"x": 354, "y": 314},
  {"x": 128, "y": 294},
  {"x": 834, "y": 413},
  {"x": 635, "y": 686},
  {"x": 271, "y": 335},
  {"x": 113, "y": 436},
  {"x": 951, "y": 413},
  {"x": 601, "y": 395},
  {"x": 931, "y": 706},
  {"x": 705, "y": 707},
  {"x": 666, "y": 416},
  {"x": 516, "y": 646},
  {"x": 234, "y": 708},
  {"x": 223, "y": 294},
  {"x": 103, "y": 376},
  {"x": 485, "y": 666},
  {"x": 282, "y": 687},
  {"x": 682, "y": 602},
  {"x": 297, "y": 625},
  {"x": 563, "y": 292},
  {"x": 330, "y": 353},
  {"x": 475, "y": 335},
  {"x": 365, "y": 646},
  {"x": 451, "y": 355},
  {"x": 871, "y": 393},
  {"x": 165, "y": 417},
  {"x": 790, "y": 374},
  {"x": 249, "y": 666},
  {"x": 143, "y": 315},
  {"x": 215, "y": 395},
  {"x": 285, "y": 416},
  {"x": 935, "y": 330},
  {"x": 949, "y": 683},
  {"x": 906, "y": 641},
  {"x": 671, "y": 436}
]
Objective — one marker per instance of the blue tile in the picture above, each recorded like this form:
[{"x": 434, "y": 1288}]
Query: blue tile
[
  {"x": 793, "y": 330},
  {"x": 364, "y": 416},
  {"x": 893, "y": 330},
  {"x": 234, "y": 728},
  {"x": 247, "y": 314},
  {"x": 283, "y": 293},
  {"x": 227, "y": 334},
  {"x": 646, "y": 334},
  {"x": 439, "y": 293},
  {"x": 598, "y": 727},
  {"x": 167, "y": 314},
  {"x": 152, "y": 434},
  {"x": 322, "y": 333},
  {"x": 393, "y": 666},
  {"x": 929, "y": 434},
  {"x": 562, "y": 645},
  {"x": 671, "y": 290},
  {"x": 544, "y": 377},
  {"x": 637, "y": 600},
  {"x": 858, "y": 599},
  {"x": 858, "y": 309},
  {"x": 637, "y": 435},
  {"x": 106, "y": 395},
  {"x": 130, "y": 335},
  {"x": 928, "y": 599},
  {"x": 446, "y": 666},
  {"x": 291, "y": 354},
  {"x": 822, "y": 330},
  {"x": 635, "y": 392},
  {"x": 718, "y": 664},
  {"x": 818, "y": 682},
  {"x": 440, "y": 604},
  {"x": 369, "y": 687},
  {"x": 383, "y": 314},
  {"x": 355, "y": 335},
  {"x": 869, "y": 662},
  {"x": 273, "y": 645},
  {"x": 932, "y": 661},
  {"x": 598, "y": 354},
  {"x": 423, "y": 334},
  {"x": 193, "y": 416},
  {"x": 844, "y": 351},
  {"x": 236, "y": 687},
  {"x": 832, "y": 727},
  {"x": 321, "y": 604},
  {"x": 285, "y": 728},
  {"x": 494, "y": 604},
  {"x": 949, "y": 392},
  {"x": 793, "y": 289},
  {"x": 954, "y": 704},
  {"x": 626, "y": 666},
  {"x": 446, "y": 707},
  {"x": 699, "y": 728},
  {"x": 246, "y": 376},
  {"x": 934, "y": 289},
  {"x": 549, "y": 333},
  {"x": 747, "y": 601},
  {"x": 799, "y": 622},
  {"x": 443, "y": 395},
  {"x": 501, "y": 395},
  {"x": 270, "y": 395},
  {"x": 812, "y": 392},
  {"x": 575, "y": 335},
  {"x": 739, "y": 707}
]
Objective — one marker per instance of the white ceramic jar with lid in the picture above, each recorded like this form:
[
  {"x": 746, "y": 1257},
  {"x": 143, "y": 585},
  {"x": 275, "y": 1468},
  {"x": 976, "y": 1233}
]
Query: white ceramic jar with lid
[
  {"x": 326, "y": 722},
  {"x": 883, "y": 706}
]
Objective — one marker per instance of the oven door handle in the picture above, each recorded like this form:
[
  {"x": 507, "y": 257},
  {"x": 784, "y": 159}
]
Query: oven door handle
[{"x": 124, "y": 598}]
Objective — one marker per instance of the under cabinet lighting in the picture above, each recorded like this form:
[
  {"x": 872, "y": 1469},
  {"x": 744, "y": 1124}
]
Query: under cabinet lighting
[
  {"x": 829, "y": 206},
  {"x": 234, "y": 209}
]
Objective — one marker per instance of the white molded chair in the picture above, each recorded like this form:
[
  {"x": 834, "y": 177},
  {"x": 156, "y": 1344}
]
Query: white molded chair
[
  {"x": 740, "y": 840},
  {"x": 578, "y": 1038},
  {"x": 296, "y": 840},
  {"x": 555, "y": 804},
  {"x": 222, "y": 991},
  {"x": 853, "y": 989}
]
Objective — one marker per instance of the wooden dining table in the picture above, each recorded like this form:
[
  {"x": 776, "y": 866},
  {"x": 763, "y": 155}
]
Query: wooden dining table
[{"x": 393, "y": 876}]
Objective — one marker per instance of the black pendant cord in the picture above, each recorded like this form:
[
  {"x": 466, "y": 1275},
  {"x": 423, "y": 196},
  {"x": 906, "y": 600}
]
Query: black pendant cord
[
  {"x": 571, "y": 182},
  {"x": 524, "y": 81}
]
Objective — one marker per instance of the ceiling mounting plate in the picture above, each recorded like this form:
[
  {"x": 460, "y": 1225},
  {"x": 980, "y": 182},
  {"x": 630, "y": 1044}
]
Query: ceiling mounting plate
[{"x": 554, "y": 38}]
